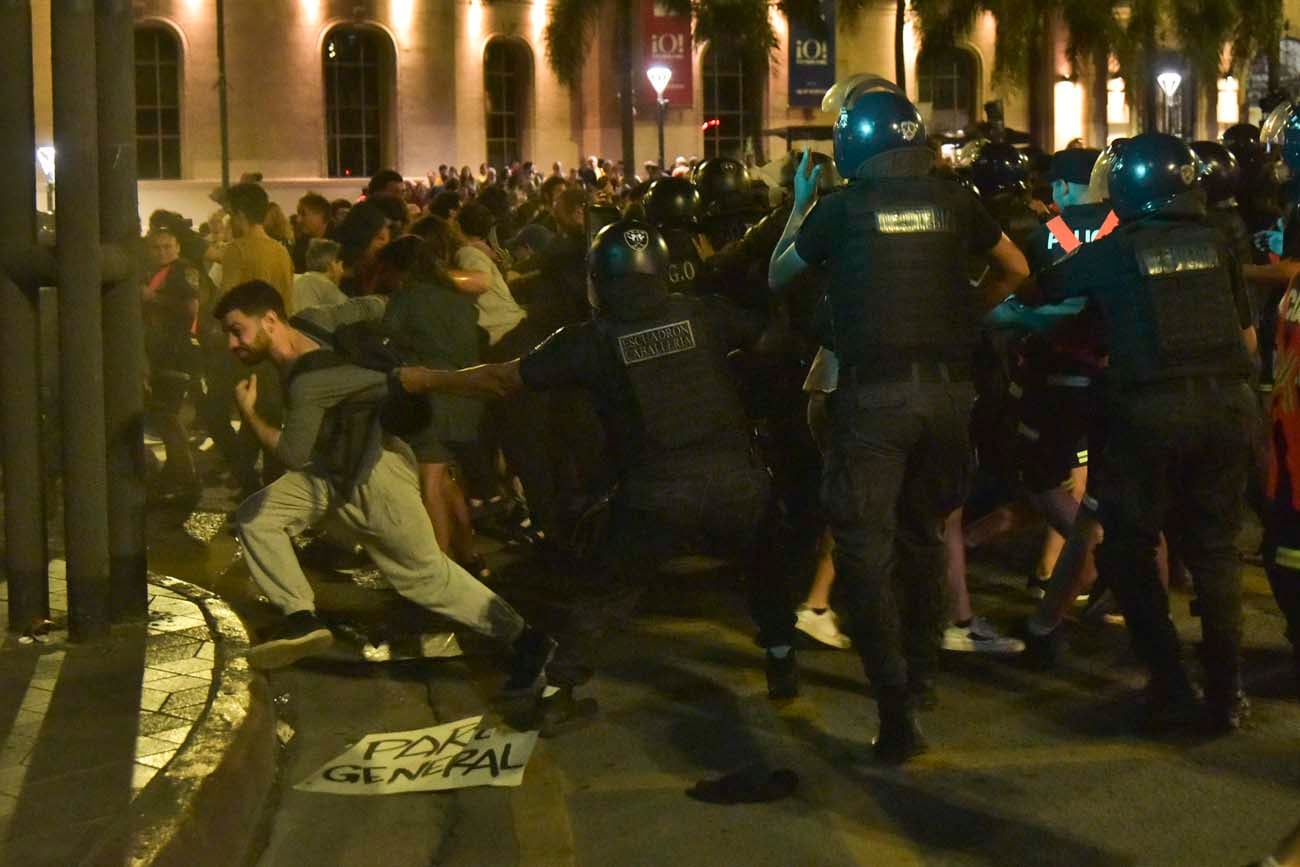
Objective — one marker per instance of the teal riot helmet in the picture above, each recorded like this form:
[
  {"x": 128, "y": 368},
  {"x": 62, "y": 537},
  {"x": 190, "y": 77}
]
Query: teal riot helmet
[
  {"x": 1149, "y": 172},
  {"x": 874, "y": 117}
]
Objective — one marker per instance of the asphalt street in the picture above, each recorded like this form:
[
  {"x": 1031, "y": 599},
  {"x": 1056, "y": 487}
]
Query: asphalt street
[{"x": 1027, "y": 767}]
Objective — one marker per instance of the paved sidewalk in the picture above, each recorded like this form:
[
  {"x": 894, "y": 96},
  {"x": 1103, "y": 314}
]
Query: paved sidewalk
[{"x": 113, "y": 752}]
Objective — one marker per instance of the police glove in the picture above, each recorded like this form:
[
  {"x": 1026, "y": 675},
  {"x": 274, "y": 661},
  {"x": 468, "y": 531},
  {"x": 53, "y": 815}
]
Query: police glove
[
  {"x": 805, "y": 181},
  {"x": 1013, "y": 313}
]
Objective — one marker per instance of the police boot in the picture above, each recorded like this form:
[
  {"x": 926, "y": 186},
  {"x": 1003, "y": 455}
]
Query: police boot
[
  {"x": 1226, "y": 705},
  {"x": 1172, "y": 703},
  {"x": 561, "y": 712},
  {"x": 782, "y": 675},
  {"x": 900, "y": 737}
]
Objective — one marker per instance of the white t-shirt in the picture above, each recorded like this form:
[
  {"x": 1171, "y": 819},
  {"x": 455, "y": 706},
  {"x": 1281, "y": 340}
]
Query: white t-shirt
[{"x": 498, "y": 312}]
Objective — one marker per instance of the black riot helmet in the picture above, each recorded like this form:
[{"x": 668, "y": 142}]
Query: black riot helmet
[
  {"x": 1219, "y": 173},
  {"x": 1240, "y": 137},
  {"x": 1149, "y": 172},
  {"x": 627, "y": 267},
  {"x": 999, "y": 168},
  {"x": 671, "y": 202},
  {"x": 723, "y": 186}
]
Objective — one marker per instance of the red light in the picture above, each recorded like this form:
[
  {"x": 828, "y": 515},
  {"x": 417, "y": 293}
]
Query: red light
[{"x": 709, "y": 124}]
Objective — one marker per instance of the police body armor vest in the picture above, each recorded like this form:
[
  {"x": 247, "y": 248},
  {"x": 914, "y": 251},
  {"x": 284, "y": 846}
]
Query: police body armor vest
[
  {"x": 679, "y": 377},
  {"x": 916, "y": 294},
  {"x": 684, "y": 263},
  {"x": 1187, "y": 288}
]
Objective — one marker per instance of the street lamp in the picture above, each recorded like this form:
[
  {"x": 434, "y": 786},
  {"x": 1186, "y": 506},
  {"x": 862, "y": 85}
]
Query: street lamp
[
  {"x": 659, "y": 77},
  {"x": 1169, "y": 83}
]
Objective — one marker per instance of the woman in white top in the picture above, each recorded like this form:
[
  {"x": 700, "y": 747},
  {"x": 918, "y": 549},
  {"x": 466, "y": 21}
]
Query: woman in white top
[{"x": 498, "y": 312}]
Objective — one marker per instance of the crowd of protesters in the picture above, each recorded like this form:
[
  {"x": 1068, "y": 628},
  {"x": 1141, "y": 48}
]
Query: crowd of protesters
[{"x": 479, "y": 267}]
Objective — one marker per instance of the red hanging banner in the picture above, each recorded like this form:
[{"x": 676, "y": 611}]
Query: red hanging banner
[{"x": 666, "y": 41}]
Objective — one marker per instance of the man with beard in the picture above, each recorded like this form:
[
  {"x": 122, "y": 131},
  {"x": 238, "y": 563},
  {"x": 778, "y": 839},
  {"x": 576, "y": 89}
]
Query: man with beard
[{"x": 341, "y": 464}]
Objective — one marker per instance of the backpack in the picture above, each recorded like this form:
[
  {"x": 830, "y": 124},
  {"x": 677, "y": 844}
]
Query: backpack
[
  {"x": 372, "y": 345},
  {"x": 345, "y": 431}
]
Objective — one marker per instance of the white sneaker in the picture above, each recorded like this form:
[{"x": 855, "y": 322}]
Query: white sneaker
[
  {"x": 823, "y": 628},
  {"x": 979, "y": 637}
]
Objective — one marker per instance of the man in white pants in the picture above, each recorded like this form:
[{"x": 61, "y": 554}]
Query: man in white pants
[{"x": 342, "y": 466}]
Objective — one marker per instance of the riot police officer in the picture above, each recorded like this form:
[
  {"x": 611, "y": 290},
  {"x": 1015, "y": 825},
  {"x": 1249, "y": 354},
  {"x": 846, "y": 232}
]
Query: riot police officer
[
  {"x": 905, "y": 322},
  {"x": 1001, "y": 174},
  {"x": 726, "y": 206},
  {"x": 655, "y": 366},
  {"x": 1178, "y": 414},
  {"x": 1220, "y": 178},
  {"x": 671, "y": 206}
]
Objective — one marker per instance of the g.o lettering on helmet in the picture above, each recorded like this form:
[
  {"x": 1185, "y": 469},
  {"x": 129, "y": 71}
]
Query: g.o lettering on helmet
[{"x": 681, "y": 272}]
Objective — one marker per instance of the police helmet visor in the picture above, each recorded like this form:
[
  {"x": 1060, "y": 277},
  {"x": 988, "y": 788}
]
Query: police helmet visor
[
  {"x": 1099, "y": 182},
  {"x": 1273, "y": 132},
  {"x": 839, "y": 94}
]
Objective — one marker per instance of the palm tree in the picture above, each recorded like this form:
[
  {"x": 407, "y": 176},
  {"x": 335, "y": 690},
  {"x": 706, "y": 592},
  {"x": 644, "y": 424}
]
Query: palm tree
[
  {"x": 740, "y": 27},
  {"x": 1132, "y": 29}
]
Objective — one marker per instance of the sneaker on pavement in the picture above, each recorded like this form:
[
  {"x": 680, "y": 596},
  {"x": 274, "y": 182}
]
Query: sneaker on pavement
[
  {"x": 823, "y": 628},
  {"x": 979, "y": 636},
  {"x": 1102, "y": 608},
  {"x": 532, "y": 651},
  {"x": 299, "y": 635}
]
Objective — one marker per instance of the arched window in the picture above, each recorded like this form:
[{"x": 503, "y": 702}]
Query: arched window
[
  {"x": 946, "y": 87},
  {"x": 507, "y": 85},
  {"x": 358, "y": 65},
  {"x": 727, "y": 102},
  {"x": 157, "y": 103}
]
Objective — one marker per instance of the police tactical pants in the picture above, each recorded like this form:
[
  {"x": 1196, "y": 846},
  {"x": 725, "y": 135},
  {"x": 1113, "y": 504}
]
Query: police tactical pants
[
  {"x": 386, "y": 515},
  {"x": 724, "y": 508},
  {"x": 899, "y": 462},
  {"x": 1177, "y": 456}
]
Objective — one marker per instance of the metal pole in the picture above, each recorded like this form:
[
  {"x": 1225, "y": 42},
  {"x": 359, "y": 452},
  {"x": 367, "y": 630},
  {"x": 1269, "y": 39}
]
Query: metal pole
[
  {"x": 20, "y": 378},
  {"x": 627, "y": 82},
  {"x": 123, "y": 328},
  {"x": 223, "y": 114},
  {"x": 663, "y": 103},
  {"x": 81, "y": 365}
]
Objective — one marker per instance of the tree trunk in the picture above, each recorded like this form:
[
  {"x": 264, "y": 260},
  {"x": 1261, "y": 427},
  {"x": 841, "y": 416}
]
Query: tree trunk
[
  {"x": 1099, "y": 123},
  {"x": 900, "y": 61},
  {"x": 1149, "y": 103},
  {"x": 627, "y": 84}
]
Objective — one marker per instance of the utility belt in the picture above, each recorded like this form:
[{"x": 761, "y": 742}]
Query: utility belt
[{"x": 897, "y": 371}]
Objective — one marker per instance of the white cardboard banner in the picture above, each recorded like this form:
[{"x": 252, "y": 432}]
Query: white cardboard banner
[{"x": 454, "y": 755}]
